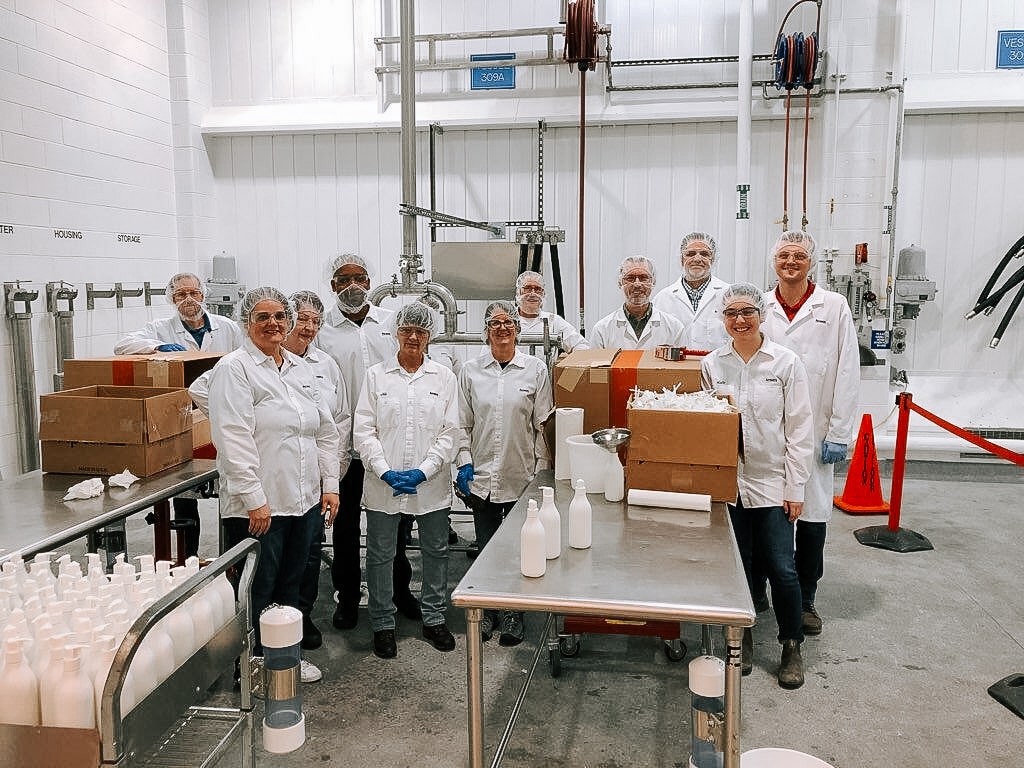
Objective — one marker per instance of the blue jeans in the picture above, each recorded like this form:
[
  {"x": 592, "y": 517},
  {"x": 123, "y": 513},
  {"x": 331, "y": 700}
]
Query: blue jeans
[
  {"x": 488, "y": 519},
  {"x": 810, "y": 558},
  {"x": 381, "y": 545},
  {"x": 284, "y": 551},
  {"x": 765, "y": 535}
]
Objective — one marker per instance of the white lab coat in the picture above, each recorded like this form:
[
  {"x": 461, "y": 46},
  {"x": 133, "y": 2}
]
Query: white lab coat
[
  {"x": 823, "y": 336},
  {"x": 224, "y": 336},
  {"x": 571, "y": 338},
  {"x": 502, "y": 413},
  {"x": 277, "y": 443},
  {"x": 770, "y": 391},
  {"x": 407, "y": 421},
  {"x": 614, "y": 332},
  {"x": 704, "y": 328}
]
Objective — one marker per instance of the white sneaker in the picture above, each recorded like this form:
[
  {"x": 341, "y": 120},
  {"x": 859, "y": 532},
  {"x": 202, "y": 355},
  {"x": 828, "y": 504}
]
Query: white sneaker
[{"x": 309, "y": 672}]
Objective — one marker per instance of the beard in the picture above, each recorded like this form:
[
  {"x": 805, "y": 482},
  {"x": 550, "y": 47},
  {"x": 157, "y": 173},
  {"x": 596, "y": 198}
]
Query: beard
[
  {"x": 352, "y": 299},
  {"x": 191, "y": 310},
  {"x": 693, "y": 274}
]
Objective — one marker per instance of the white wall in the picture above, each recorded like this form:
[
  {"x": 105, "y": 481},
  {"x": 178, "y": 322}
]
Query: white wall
[{"x": 260, "y": 129}]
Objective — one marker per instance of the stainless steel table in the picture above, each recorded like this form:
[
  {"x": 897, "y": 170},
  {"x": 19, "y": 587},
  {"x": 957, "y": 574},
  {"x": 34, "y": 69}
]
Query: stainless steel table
[
  {"x": 34, "y": 519},
  {"x": 635, "y": 569}
]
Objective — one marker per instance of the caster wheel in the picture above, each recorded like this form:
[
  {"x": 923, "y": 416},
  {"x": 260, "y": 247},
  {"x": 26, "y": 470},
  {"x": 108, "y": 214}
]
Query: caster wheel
[
  {"x": 569, "y": 645},
  {"x": 555, "y": 660},
  {"x": 675, "y": 650}
]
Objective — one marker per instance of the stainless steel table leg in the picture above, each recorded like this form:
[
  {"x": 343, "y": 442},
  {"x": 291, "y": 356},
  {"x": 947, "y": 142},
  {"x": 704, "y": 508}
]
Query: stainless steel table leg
[
  {"x": 475, "y": 686},
  {"x": 733, "y": 673}
]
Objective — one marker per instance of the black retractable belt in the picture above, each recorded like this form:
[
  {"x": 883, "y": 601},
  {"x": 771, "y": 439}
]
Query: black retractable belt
[{"x": 556, "y": 278}]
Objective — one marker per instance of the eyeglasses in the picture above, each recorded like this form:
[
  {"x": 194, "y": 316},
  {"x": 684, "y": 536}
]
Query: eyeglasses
[
  {"x": 412, "y": 330},
  {"x": 345, "y": 280},
  {"x": 532, "y": 289},
  {"x": 746, "y": 313},
  {"x": 266, "y": 317},
  {"x": 706, "y": 255},
  {"x": 798, "y": 256},
  {"x": 501, "y": 323},
  {"x": 304, "y": 319},
  {"x": 642, "y": 279},
  {"x": 178, "y": 296}
]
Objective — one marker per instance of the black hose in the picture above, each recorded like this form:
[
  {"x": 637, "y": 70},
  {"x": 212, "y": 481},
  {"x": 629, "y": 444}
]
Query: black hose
[
  {"x": 995, "y": 298},
  {"x": 538, "y": 256},
  {"x": 524, "y": 250},
  {"x": 1015, "y": 250},
  {"x": 556, "y": 277},
  {"x": 1009, "y": 315}
]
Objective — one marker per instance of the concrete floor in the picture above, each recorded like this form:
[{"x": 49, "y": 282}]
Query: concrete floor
[{"x": 899, "y": 676}]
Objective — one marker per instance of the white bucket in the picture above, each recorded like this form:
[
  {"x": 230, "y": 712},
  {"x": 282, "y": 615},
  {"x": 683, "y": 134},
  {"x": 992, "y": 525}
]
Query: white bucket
[
  {"x": 587, "y": 461},
  {"x": 776, "y": 757}
]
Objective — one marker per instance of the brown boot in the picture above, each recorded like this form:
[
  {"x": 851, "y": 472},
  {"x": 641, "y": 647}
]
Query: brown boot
[
  {"x": 791, "y": 670},
  {"x": 747, "y": 659}
]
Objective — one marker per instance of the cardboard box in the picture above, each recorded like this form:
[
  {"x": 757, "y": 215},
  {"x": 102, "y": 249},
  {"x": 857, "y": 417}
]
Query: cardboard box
[
  {"x": 49, "y": 747},
  {"x": 122, "y": 415},
  {"x": 81, "y": 458},
  {"x": 718, "y": 482},
  {"x": 684, "y": 437},
  {"x": 200, "y": 429},
  {"x": 159, "y": 369},
  {"x": 601, "y": 380}
]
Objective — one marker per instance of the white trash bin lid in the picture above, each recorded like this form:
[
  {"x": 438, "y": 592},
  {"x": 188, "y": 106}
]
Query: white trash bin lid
[{"x": 776, "y": 757}]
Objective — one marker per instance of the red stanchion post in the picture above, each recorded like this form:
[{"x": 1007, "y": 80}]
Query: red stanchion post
[{"x": 899, "y": 459}]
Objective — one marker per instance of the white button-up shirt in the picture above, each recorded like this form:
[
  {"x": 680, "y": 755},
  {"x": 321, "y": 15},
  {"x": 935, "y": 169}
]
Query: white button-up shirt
[
  {"x": 501, "y": 414},
  {"x": 704, "y": 328},
  {"x": 407, "y": 421},
  {"x": 615, "y": 332},
  {"x": 777, "y": 427},
  {"x": 224, "y": 335},
  {"x": 571, "y": 338},
  {"x": 276, "y": 439},
  {"x": 335, "y": 395},
  {"x": 824, "y": 338},
  {"x": 355, "y": 348}
]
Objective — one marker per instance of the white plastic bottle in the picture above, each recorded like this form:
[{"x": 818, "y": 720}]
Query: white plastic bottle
[
  {"x": 580, "y": 515},
  {"x": 614, "y": 480},
  {"x": 19, "y": 688},
  {"x": 531, "y": 543},
  {"x": 552, "y": 522},
  {"x": 158, "y": 642},
  {"x": 105, "y": 650},
  {"x": 76, "y": 703}
]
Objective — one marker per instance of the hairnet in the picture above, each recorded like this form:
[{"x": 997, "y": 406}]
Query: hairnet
[
  {"x": 302, "y": 299},
  {"x": 499, "y": 306},
  {"x": 792, "y": 237},
  {"x": 419, "y": 315},
  {"x": 528, "y": 275},
  {"x": 631, "y": 262},
  {"x": 264, "y": 293},
  {"x": 172, "y": 284},
  {"x": 744, "y": 292},
  {"x": 341, "y": 260},
  {"x": 704, "y": 237}
]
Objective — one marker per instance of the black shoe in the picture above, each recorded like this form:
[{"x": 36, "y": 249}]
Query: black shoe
[
  {"x": 472, "y": 550},
  {"x": 408, "y": 606},
  {"x": 439, "y": 637},
  {"x": 312, "y": 638},
  {"x": 345, "y": 617},
  {"x": 791, "y": 669},
  {"x": 384, "y": 645},
  {"x": 512, "y": 628},
  {"x": 747, "y": 656},
  {"x": 453, "y": 537},
  {"x": 487, "y": 625},
  {"x": 812, "y": 621},
  {"x": 761, "y": 603}
]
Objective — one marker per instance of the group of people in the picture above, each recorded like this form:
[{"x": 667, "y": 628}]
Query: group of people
[{"x": 321, "y": 414}]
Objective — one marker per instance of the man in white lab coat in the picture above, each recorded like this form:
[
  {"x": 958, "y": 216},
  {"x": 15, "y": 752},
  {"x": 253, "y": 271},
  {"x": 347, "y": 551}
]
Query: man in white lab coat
[
  {"x": 530, "y": 306},
  {"x": 637, "y": 324},
  {"x": 816, "y": 324},
  {"x": 695, "y": 296}
]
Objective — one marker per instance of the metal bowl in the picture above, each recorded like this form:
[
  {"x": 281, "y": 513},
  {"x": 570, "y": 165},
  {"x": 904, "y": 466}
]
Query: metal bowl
[{"x": 610, "y": 439}]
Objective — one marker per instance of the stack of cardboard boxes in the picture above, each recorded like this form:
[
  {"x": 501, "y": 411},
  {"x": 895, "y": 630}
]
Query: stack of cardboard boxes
[{"x": 682, "y": 451}]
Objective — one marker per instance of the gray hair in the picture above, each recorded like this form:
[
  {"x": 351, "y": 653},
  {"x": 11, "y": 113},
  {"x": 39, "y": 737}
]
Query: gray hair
[
  {"x": 301, "y": 299},
  {"x": 637, "y": 261},
  {"x": 528, "y": 275},
  {"x": 341, "y": 260},
  {"x": 419, "y": 315},
  {"x": 746, "y": 291},
  {"x": 264, "y": 293},
  {"x": 172, "y": 284},
  {"x": 501, "y": 305},
  {"x": 793, "y": 237},
  {"x": 704, "y": 237}
]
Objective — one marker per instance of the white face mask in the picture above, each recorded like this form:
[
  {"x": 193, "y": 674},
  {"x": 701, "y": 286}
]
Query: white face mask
[
  {"x": 352, "y": 299},
  {"x": 190, "y": 309}
]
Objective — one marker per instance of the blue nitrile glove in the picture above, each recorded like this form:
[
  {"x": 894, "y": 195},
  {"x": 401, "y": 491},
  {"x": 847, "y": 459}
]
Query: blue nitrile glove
[
  {"x": 464, "y": 476},
  {"x": 392, "y": 478},
  {"x": 411, "y": 478},
  {"x": 170, "y": 348},
  {"x": 832, "y": 452}
]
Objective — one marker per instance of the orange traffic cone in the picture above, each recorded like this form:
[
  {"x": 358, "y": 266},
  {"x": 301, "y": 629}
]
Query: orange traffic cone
[{"x": 862, "y": 494}]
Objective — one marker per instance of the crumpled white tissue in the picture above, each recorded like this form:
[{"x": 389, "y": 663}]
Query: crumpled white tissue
[
  {"x": 86, "y": 489},
  {"x": 123, "y": 480}
]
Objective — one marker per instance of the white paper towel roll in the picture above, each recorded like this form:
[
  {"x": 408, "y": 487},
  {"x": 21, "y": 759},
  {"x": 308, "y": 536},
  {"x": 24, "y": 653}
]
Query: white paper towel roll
[
  {"x": 700, "y": 502},
  {"x": 568, "y": 421}
]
